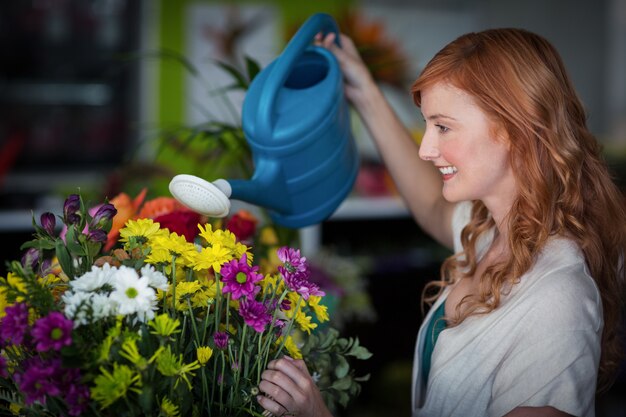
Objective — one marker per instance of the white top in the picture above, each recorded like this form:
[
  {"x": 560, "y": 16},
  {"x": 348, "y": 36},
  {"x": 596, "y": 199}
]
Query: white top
[{"x": 540, "y": 347}]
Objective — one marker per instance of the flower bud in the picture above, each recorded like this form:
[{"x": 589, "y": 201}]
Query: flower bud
[
  {"x": 71, "y": 209},
  {"x": 97, "y": 235},
  {"x": 30, "y": 258},
  {"x": 48, "y": 222},
  {"x": 103, "y": 216}
]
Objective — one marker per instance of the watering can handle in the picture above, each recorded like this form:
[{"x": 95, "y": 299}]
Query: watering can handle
[{"x": 319, "y": 22}]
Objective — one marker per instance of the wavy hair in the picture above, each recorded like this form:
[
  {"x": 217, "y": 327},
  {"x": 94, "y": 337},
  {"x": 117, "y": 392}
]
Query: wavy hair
[{"x": 565, "y": 187}]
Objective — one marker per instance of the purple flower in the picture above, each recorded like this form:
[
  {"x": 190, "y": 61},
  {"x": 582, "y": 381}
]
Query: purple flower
[
  {"x": 71, "y": 210},
  {"x": 292, "y": 260},
  {"x": 30, "y": 259},
  {"x": 15, "y": 323},
  {"x": 300, "y": 283},
  {"x": 40, "y": 379},
  {"x": 77, "y": 399},
  {"x": 97, "y": 235},
  {"x": 240, "y": 278},
  {"x": 296, "y": 273},
  {"x": 48, "y": 222},
  {"x": 254, "y": 314},
  {"x": 52, "y": 332},
  {"x": 103, "y": 216},
  {"x": 221, "y": 340}
]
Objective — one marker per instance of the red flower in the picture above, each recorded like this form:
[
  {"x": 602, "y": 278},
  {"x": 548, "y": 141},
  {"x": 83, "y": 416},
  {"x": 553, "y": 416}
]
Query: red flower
[
  {"x": 183, "y": 223},
  {"x": 242, "y": 224}
]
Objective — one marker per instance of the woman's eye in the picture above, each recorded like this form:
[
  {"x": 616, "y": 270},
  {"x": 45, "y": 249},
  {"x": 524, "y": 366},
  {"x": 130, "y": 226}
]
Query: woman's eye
[{"x": 442, "y": 129}]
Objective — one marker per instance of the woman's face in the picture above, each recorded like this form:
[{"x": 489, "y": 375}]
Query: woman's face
[{"x": 459, "y": 140}]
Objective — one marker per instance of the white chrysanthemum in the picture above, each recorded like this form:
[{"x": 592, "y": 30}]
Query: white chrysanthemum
[
  {"x": 94, "y": 279},
  {"x": 155, "y": 278},
  {"x": 77, "y": 306},
  {"x": 101, "y": 306},
  {"x": 132, "y": 294}
]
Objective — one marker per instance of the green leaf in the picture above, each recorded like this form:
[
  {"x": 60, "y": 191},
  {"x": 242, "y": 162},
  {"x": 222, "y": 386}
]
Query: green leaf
[
  {"x": 343, "y": 367},
  {"x": 43, "y": 244},
  {"x": 240, "y": 81},
  {"x": 71, "y": 242},
  {"x": 252, "y": 67},
  {"x": 65, "y": 260},
  {"x": 342, "y": 383}
]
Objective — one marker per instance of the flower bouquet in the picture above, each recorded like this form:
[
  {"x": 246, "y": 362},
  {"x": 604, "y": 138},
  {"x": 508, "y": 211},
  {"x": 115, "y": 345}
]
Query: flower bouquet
[{"x": 159, "y": 325}]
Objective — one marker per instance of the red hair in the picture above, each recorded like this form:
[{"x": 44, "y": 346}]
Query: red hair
[{"x": 519, "y": 80}]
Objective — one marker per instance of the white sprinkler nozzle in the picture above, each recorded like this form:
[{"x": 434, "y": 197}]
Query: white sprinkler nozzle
[{"x": 201, "y": 196}]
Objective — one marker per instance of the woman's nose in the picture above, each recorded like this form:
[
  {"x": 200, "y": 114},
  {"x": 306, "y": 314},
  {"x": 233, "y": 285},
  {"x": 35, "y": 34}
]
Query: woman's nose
[{"x": 428, "y": 147}]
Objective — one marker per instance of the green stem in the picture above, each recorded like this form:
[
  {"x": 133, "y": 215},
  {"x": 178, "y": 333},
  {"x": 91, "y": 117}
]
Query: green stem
[
  {"x": 289, "y": 326},
  {"x": 174, "y": 282}
]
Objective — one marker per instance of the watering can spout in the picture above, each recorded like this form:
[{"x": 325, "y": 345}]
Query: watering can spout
[{"x": 267, "y": 190}]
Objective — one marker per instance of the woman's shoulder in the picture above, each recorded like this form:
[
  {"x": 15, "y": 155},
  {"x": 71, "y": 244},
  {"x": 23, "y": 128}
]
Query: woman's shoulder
[{"x": 560, "y": 288}]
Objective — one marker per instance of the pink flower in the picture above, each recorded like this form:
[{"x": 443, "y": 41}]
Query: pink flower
[
  {"x": 254, "y": 314},
  {"x": 240, "y": 279}
]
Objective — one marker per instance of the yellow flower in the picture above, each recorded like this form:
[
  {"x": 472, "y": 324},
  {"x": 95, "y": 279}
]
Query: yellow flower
[
  {"x": 142, "y": 229},
  {"x": 165, "y": 248},
  {"x": 291, "y": 347},
  {"x": 111, "y": 386},
  {"x": 16, "y": 282},
  {"x": 15, "y": 409},
  {"x": 268, "y": 236},
  {"x": 207, "y": 232},
  {"x": 169, "y": 364},
  {"x": 3, "y": 303},
  {"x": 304, "y": 322},
  {"x": 204, "y": 353},
  {"x": 186, "y": 290},
  {"x": 164, "y": 325},
  {"x": 168, "y": 409},
  {"x": 214, "y": 256},
  {"x": 321, "y": 311},
  {"x": 130, "y": 352},
  {"x": 272, "y": 284}
]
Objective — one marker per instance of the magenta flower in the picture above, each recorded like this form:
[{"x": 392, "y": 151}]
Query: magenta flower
[
  {"x": 299, "y": 282},
  {"x": 14, "y": 324},
  {"x": 221, "y": 340},
  {"x": 296, "y": 273},
  {"x": 240, "y": 279},
  {"x": 292, "y": 260},
  {"x": 40, "y": 379},
  {"x": 77, "y": 399},
  {"x": 254, "y": 314},
  {"x": 52, "y": 332}
]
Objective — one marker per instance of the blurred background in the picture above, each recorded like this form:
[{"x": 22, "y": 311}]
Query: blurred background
[{"x": 108, "y": 95}]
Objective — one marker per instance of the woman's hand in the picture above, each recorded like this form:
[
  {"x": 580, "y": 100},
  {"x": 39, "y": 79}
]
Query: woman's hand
[
  {"x": 290, "y": 390},
  {"x": 357, "y": 78}
]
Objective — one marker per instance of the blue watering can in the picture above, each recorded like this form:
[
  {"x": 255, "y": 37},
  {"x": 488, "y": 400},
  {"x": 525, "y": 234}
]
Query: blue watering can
[{"x": 296, "y": 121}]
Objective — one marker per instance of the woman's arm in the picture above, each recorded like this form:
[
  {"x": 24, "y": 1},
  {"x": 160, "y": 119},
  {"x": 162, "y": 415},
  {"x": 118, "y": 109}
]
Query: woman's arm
[
  {"x": 290, "y": 390},
  {"x": 418, "y": 181}
]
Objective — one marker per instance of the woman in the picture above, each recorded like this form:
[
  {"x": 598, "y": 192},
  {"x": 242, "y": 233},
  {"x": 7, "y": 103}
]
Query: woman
[{"x": 525, "y": 318}]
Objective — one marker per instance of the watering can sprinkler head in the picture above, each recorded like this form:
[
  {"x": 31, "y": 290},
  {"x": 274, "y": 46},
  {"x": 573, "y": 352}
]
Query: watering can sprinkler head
[{"x": 204, "y": 197}]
